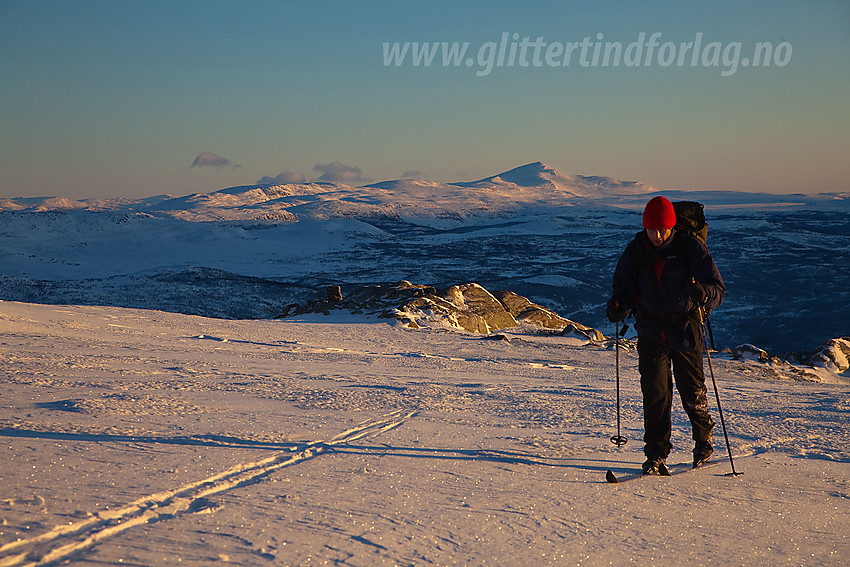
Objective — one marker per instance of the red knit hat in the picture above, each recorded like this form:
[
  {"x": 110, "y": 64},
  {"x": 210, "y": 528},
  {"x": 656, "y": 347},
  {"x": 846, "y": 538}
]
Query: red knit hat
[{"x": 659, "y": 214}]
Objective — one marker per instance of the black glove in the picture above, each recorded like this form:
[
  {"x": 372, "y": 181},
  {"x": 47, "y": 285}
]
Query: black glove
[
  {"x": 698, "y": 293},
  {"x": 615, "y": 312}
]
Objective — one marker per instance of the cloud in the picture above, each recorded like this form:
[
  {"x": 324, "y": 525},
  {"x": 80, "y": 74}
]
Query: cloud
[
  {"x": 412, "y": 174},
  {"x": 339, "y": 172},
  {"x": 283, "y": 178},
  {"x": 210, "y": 159}
]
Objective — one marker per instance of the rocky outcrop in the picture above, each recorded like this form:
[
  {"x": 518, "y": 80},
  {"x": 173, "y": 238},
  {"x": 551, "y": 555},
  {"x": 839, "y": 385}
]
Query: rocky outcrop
[
  {"x": 530, "y": 313},
  {"x": 827, "y": 364},
  {"x": 465, "y": 306},
  {"x": 834, "y": 355},
  {"x": 473, "y": 308},
  {"x": 527, "y": 312},
  {"x": 750, "y": 352}
]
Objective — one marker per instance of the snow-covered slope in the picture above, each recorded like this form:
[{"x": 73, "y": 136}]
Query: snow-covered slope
[
  {"x": 547, "y": 182},
  {"x": 148, "y": 438},
  {"x": 157, "y": 436}
]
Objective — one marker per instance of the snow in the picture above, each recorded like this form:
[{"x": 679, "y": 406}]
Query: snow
[
  {"x": 554, "y": 280},
  {"x": 560, "y": 256},
  {"x": 142, "y": 437},
  {"x": 534, "y": 187},
  {"x": 137, "y": 432}
]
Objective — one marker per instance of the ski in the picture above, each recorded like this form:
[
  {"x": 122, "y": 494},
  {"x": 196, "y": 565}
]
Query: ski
[{"x": 672, "y": 470}]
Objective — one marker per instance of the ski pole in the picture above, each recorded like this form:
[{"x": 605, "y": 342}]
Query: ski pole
[
  {"x": 710, "y": 334},
  {"x": 618, "y": 439},
  {"x": 717, "y": 394}
]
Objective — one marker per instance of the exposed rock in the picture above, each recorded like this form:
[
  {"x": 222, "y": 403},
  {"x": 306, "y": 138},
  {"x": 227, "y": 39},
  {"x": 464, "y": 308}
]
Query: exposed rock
[
  {"x": 381, "y": 300},
  {"x": 333, "y": 294},
  {"x": 833, "y": 355},
  {"x": 827, "y": 364},
  {"x": 750, "y": 352},
  {"x": 477, "y": 310},
  {"x": 582, "y": 331},
  {"x": 466, "y": 306},
  {"x": 525, "y": 311}
]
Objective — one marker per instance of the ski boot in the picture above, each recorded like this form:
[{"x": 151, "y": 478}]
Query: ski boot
[
  {"x": 655, "y": 466},
  {"x": 702, "y": 452}
]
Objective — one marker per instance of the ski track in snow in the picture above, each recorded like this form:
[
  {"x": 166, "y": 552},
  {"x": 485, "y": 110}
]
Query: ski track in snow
[
  {"x": 106, "y": 410},
  {"x": 51, "y": 547}
]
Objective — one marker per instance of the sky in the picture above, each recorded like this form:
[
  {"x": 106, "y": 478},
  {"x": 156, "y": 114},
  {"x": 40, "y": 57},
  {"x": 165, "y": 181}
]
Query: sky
[{"x": 115, "y": 98}]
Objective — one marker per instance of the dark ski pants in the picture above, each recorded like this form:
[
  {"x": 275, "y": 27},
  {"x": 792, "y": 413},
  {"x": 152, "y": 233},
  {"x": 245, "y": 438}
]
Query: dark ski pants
[{"x": 656, "y": 382}]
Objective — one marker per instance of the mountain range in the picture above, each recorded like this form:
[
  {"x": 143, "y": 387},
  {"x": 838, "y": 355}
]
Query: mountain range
[
  {"x": 247, "y": 251},
  {"x": 515, "y": 191}
]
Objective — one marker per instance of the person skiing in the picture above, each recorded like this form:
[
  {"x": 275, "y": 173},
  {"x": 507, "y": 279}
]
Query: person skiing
[{"x": 665, "y": 277}]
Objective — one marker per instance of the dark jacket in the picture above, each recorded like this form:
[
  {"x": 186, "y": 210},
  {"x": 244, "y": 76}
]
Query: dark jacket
[{"x": 656, "y": 284}]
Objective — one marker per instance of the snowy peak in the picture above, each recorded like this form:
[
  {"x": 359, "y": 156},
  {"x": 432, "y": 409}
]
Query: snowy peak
[
  {"x": 536, "y": 174},
  {"x": 540, "y": 176}
]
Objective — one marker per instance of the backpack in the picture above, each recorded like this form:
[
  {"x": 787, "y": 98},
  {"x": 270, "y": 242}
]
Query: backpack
[{"x": 690, "y": 219}]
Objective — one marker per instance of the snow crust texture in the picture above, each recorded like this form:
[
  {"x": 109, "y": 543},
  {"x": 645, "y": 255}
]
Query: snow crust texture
[{"x": 152, "y": 438}]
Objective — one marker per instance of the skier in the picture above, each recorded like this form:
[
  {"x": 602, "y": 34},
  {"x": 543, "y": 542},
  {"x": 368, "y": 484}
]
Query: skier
[{"x": 664, "y": 278}]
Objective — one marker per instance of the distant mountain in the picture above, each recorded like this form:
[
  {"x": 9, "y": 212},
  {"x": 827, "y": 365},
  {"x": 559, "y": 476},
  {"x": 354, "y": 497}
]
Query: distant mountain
[
  {"x": 512, "y": 191},
  {"x": 554, "y": 238},
  {"x": 528, "y": 189},
  {"x": 540, "y": 177}
]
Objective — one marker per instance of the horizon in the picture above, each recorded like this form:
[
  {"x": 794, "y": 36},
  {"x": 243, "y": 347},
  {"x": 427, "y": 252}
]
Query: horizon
[
  {"x": 106, "y": 100},
  {"x": 649, "y": 190}
]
